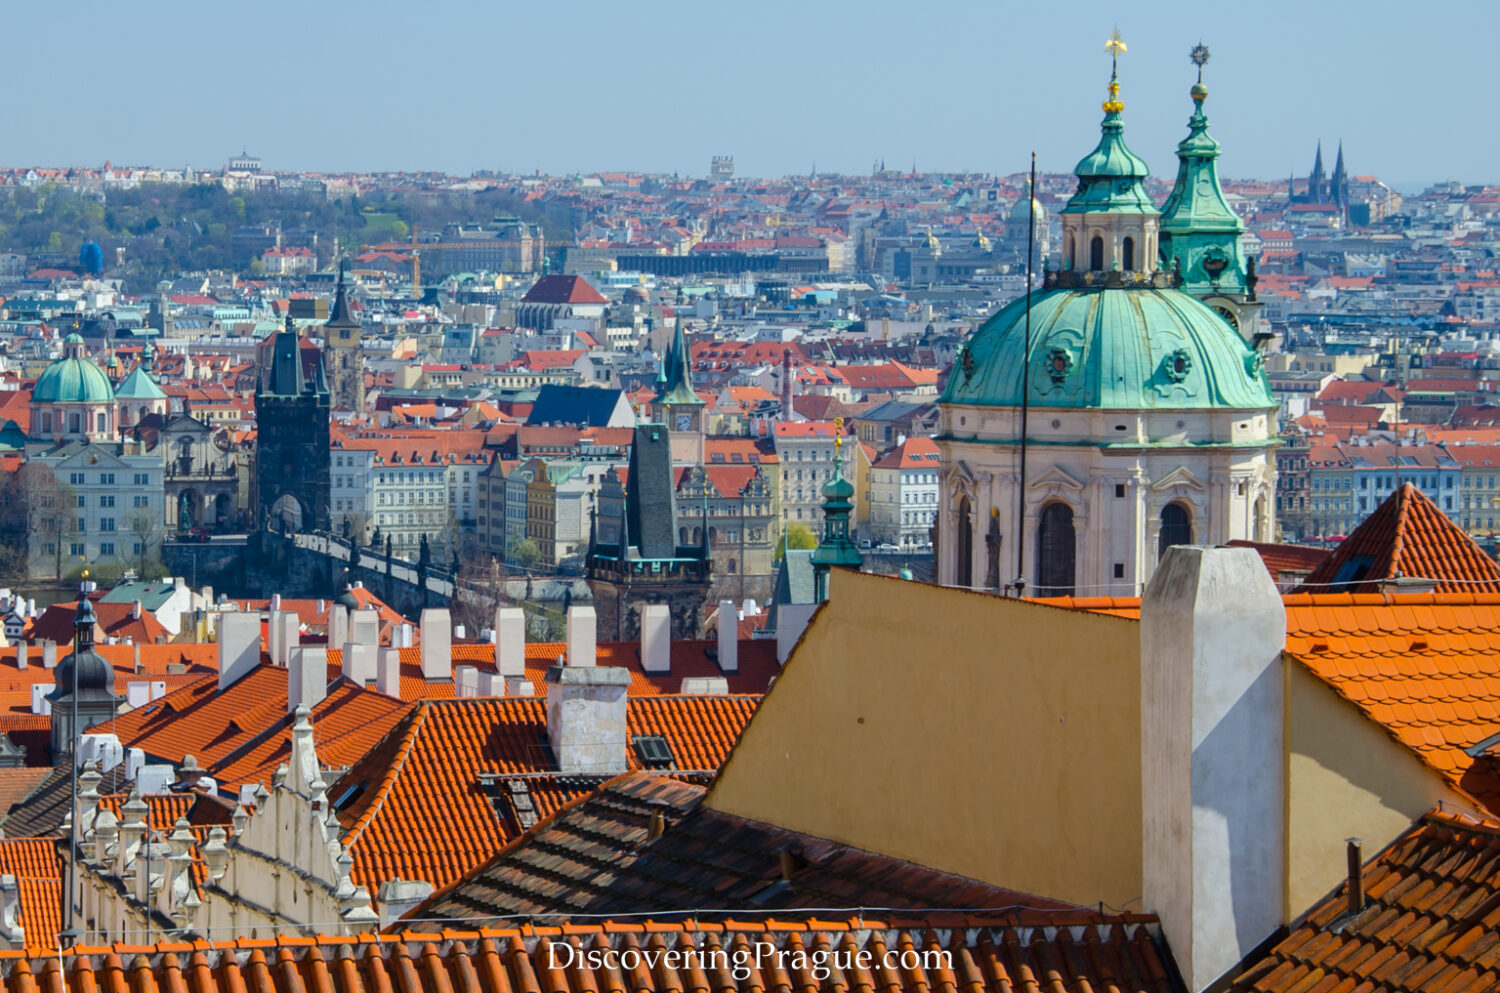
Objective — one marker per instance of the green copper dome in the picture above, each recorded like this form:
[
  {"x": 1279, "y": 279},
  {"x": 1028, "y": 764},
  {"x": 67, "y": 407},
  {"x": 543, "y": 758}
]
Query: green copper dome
[
  {"x": 1111, "y": 178},
  {"x": 73, "y": 379},
  {"x": 1111, "y": 348}
]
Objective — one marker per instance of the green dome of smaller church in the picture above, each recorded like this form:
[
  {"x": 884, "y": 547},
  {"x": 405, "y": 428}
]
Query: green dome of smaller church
[{"x": 73, "y": 379}]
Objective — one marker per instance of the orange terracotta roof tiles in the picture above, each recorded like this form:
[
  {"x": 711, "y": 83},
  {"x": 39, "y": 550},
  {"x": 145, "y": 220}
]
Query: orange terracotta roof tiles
[
  {"x": 240, "y": 735},
  {"x": 38, "y": 871},
  {"x": 421, "y": 812},
  {"x": 1428, "y": 922},
  {"x": 988, "y": 952},
  {"x": 1406, "y": 536},
  {"x": 757, "y": 666}
]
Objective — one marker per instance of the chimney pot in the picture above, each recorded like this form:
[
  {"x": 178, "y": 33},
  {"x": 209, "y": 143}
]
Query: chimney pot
[
  {"x": 582, "y": 647},
  {"x": 1356, "y": 876},
  {"x": 656, "y": 638},
  {"x": 510, "y": 641},
  {"x": 437, "y": 644}
]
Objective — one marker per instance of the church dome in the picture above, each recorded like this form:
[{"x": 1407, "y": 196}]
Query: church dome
[
  {"x": 1111, "y": 348},
  {"x": 1022, "y": 208},
  {"x": 73, "y": 379},
  {"x": 637, "y": 295}
]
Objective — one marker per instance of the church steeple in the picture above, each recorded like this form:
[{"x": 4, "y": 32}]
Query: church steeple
[
  {"x": 675, "y": 387},
  {"x": 1109, "y": 224},
  {"x": 1198, "y": 227},
  {"x": 835, "y": 548},
  {"x": 1316, "y": 189}
]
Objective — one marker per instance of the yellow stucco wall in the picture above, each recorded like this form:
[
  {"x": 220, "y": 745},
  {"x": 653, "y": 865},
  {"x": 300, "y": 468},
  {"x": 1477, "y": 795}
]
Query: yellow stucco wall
[
  {"x": 1346, "y": 778},
  {"x": 983, "y": 736}
]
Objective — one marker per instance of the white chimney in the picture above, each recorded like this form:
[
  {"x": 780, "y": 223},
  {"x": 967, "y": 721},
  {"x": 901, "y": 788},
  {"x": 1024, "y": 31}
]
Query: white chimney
[
  {"x": 491, "y": 684},
  {"x": 458, "y": 631},
  {"x": 285, "y": 635},
  {"x": 322, "y": 606},
  {"x": 465, "y": 681},
  {"x": 338, "y": 624},
  {"x": 729, "y": 637},
  {"x": 582, "y": 646},
  {"x": 1213, "y": 774},
  {"x": 364, "y": 627},
  {"x": 510, "y": 641},
  {"x": 135, "y": 610},
  {"x": 388, "y": 672},
  {"x": 359, "y": 663},
  {"x": 518, "y": 686},
  {"x": 49, "y": 655},
  {"x": 306, "y": 678},
  {"x": 39, "y": 702},
  {"x": 437, "y": 644},
  {"x": 408, "y": 636},
  {"x": 398, "y": 897},
  {"x": 586, "y": 712},
  {"x": 704, "y": 686},
  {"x": 656, "y": 637},
  {"x": 21, "y": 652},
  {"x": 137, "y": 694},
  {"x": 239, "y": 646},
  {"x": 275, "y": 601}
]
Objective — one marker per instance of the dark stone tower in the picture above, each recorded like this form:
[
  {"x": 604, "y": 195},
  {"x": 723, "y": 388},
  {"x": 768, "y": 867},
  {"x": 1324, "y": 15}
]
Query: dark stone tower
[
  {"x": 342, "y": 352},
  {"x": 634, "y": 556},
  {"x": 292, "y": 445},
  {"x": 1317, "y": 185}
]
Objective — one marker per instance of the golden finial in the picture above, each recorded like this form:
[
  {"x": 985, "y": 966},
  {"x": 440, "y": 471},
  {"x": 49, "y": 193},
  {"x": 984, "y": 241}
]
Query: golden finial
[
  {"x": 838, "y": 435},
  {"x": 1115, "y": 46}
]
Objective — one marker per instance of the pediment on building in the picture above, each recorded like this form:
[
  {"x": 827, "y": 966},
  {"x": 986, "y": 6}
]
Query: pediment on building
[
  {"x": 1057, "y": 478},
  {"x": 961, "y": 480},
  {"x": 1179, "y": 477}
]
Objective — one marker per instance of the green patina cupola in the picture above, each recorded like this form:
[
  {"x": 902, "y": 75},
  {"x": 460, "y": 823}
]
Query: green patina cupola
[
  {"x": 836, "y": 548},
  {"x": 1200, "y": 232},
  {"x": 1111, "y": 178}
]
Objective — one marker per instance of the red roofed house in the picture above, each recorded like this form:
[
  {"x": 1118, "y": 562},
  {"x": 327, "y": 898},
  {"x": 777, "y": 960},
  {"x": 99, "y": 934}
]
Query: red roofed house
[{"x": 552, "y": 297}]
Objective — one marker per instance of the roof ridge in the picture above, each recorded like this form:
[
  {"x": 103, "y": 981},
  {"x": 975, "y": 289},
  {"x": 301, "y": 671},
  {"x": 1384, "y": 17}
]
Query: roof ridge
[{"x": 394, "y": 771}]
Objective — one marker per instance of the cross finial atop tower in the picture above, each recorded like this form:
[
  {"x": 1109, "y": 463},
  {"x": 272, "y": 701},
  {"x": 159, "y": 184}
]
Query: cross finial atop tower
[
  {"x": 1115, "y": 46},
  {"x": 1199, "y": 55}
]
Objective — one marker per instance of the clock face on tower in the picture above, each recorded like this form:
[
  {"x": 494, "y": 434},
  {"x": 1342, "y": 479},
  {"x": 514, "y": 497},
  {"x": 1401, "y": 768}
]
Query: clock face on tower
[{"x": 684, "y": 422}]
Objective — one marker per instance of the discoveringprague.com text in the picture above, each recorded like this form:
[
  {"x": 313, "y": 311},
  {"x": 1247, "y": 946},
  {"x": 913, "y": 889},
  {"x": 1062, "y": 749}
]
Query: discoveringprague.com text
[{"x": 741, "y": 962}]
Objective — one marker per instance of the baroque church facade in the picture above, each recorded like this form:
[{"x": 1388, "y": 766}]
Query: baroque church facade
[{"x": 1135, "y": 383}]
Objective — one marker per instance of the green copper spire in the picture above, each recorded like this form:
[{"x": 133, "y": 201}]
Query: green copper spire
[
  {"x": 1111, "y": 178},
  {"x": 675, "y": 385},
  {"x": 1197, "y": 224},
  {"x": 836, "y": 547}
]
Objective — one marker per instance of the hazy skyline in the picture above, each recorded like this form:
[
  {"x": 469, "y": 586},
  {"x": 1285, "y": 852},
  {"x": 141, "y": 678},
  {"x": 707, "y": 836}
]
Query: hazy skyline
[{"x": 662, "y": 86}]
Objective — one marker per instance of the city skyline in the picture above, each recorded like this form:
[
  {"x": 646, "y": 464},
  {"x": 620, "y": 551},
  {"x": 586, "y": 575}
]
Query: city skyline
[{"x": 836, "y": 85}]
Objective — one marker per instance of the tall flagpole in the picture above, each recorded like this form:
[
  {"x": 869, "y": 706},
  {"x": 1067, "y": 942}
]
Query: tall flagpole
[{"x": 1020, "y": 583}]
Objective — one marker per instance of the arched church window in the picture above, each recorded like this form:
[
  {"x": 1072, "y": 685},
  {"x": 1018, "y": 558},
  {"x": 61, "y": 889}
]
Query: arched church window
[
  {"x": 1096, "y": 254},
  {"x": 1176, "y": 528},
  {"x": 963, "y": 545},
  {"x": 73, "y": 423},
  {"x": 1128, "y": 255},
  {"x": 99, "y": 422},
  {"x": 1071, "y": 252},
  {"x": 1055, "y": 550},
  {"x": 47, "y": 422}
]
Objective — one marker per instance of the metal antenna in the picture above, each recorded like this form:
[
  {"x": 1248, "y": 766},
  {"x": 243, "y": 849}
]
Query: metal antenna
[{"x": 1020, "y": 583}]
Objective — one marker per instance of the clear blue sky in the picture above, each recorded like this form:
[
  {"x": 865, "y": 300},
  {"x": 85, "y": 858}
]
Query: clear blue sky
[{"x": 662, "y": 85}]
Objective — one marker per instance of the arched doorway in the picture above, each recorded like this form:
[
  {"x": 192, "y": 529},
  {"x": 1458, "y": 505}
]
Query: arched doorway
[
  {"x": 1127, "y": 253},
  {"x": 1055, "y": 551},
  {"x": 286, "y": 514},
  {"x": 963, "y": 545},
  {"x": 1176, "y": 528},
  {"x": 1096, "y": 254}
]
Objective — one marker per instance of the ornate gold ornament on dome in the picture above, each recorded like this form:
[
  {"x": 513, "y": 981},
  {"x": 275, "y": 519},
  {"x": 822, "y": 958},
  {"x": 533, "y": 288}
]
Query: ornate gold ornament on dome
[{"x": 1115, "y": 46}]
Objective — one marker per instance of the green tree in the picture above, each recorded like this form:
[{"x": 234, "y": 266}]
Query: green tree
[
  {"x": 795, "y": 536},
  {"x": 523, "y": 553},
  {"x": 400, "y": 231}
]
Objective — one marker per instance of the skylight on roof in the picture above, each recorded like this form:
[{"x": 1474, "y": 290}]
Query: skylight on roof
[{"x": 652, "y": 750}]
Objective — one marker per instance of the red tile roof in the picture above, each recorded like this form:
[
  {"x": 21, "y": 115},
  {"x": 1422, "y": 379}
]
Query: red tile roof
[
  {"x": 1409, "y": 536},
  {"x": 423, "y": 813},
  {"x": 989, "y": 952},
  {"x": 1294, "y": 560},
  {"x": 562, "y": 289},
  {"x": 1430, "y": 921},
  {"x": 38, "y": 872}
]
